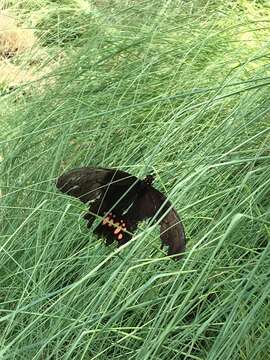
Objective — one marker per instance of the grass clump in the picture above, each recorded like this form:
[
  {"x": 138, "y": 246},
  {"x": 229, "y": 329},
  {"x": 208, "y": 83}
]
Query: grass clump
[{"x": 176, "y": 89}]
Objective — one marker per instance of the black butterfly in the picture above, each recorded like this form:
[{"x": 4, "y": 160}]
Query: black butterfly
[{"x": 123, "y": 201}]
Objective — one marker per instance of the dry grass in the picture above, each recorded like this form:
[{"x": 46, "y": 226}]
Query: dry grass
[
  {"x": 13, "y": 39},
  {"x": 13, "y": 75},
  {"x": 21, "y": 55}
]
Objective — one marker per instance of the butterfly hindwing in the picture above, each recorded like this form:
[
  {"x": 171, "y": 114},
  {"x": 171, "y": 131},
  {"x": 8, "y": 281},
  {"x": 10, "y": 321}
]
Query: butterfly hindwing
[{"x": 105, "y": 190}]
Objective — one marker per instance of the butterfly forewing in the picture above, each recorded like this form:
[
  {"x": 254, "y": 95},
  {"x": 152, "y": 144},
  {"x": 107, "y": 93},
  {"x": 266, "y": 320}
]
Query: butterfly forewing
[
  {"x": 155, "y": 205},
  {"x": 86, "y": 184},
  {"x": 172, "y": 233}
]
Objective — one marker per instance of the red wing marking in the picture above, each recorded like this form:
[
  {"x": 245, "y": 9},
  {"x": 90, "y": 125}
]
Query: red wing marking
[
  {"x": 117, "y": 230},
  {"x": 117, "y": 226}
]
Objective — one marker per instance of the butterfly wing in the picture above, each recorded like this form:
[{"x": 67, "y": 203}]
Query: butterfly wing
[
  {"x": 128, "y": 197},
  {"x": 172, "y": 233},
  {"x": 86, "y": 184},
  {"x": 153, "y": 204},
  {"x": 104, "y": 189}
]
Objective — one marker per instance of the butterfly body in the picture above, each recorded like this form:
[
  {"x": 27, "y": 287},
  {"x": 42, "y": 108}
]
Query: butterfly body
[{"x": 122, "y": 201}]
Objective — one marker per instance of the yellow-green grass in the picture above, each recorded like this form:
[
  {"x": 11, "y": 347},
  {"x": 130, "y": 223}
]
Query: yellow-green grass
[{"x": 180, "y": 89}]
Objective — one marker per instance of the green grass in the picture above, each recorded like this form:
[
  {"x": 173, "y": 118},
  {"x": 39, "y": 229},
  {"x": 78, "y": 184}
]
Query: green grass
[{"x": 180, "y": 89}]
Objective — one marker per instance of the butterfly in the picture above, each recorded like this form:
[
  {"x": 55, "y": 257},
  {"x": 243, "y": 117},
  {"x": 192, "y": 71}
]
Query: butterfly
[{"x": 123, "y": 201}]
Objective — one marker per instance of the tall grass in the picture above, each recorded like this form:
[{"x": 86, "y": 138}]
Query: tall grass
[{"x": 177, "y": 88}]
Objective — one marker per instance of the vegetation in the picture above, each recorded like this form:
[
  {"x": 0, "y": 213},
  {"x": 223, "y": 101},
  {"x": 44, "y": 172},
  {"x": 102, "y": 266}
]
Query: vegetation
[{"x": 178, "y": 88}]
